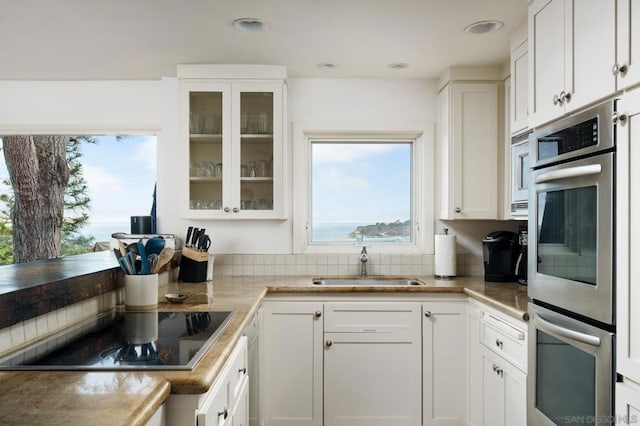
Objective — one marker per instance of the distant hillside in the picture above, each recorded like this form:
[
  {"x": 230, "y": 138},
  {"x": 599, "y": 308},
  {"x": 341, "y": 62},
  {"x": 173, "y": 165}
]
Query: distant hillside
[{"x": 381, "y": 230}]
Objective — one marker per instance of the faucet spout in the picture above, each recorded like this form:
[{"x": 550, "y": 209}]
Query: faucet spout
[{"x": 364, "y": 258}]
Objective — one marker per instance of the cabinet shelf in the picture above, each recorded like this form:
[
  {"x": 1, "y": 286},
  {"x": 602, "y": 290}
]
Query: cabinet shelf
[
  {"x": 257, "y": 179},
  {"x": 205, "y": 138},
  {"x": 262, "y": 138},
  {"x": 205, "y": 179}
]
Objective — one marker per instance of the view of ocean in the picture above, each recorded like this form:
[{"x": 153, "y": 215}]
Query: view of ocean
[{"x": 102, "y": 231}]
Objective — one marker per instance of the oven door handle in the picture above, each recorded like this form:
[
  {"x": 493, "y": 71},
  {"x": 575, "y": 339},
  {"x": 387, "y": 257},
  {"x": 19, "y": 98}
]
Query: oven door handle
[
  {"x": 571, "y": 172},
  {"x": 577, "y": 336}
]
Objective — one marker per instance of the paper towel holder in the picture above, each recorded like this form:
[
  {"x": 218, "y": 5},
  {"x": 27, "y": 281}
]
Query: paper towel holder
[{"x": 445, "y": 262}]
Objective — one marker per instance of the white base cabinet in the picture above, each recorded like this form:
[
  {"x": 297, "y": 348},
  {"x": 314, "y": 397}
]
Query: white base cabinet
[
  {"x": 444, "y": 353},
  {"x": 225, "y": 404},
  {"x": 627, "y": 403},
  {"x": 291, "y": 364},
  {"x": 497, "y": 365},
  {"x": 372, "y": 372}
]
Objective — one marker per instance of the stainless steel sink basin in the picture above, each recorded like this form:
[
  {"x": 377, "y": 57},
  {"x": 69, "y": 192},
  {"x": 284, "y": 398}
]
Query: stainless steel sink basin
[{"x": 369, "y": 281}]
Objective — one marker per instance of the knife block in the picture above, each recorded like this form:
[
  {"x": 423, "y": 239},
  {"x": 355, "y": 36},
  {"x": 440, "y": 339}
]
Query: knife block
[{"x": 193, "y": 265}]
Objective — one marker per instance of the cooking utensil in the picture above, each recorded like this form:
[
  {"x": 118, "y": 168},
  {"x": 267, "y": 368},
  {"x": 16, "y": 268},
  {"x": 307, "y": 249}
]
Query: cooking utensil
[
  {"x": 153, "y": 261},
  {"x": 144, "y": 262},
  {"x": 117, "y": 253},
  {"x": 124, "y": 265},
  {"x": 164, "y": 257},
  {"x": 122, "y": 248},
  {"x": 205, "y": 243},
  {"x": 128, "y": 263},
  {"x": 154, "y": 245}
]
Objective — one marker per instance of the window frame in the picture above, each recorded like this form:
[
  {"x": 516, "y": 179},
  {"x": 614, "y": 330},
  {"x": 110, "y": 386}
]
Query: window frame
[{"x": 423, "y": 197}]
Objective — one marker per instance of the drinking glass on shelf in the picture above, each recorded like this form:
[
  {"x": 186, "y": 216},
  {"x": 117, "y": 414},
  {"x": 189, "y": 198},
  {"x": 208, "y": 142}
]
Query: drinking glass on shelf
[
  {"x": 244, "y": 170},
  {"x": 244, "y": 123},
  {"x": 262, "y": 167},
  {"x": 252, "y": 169},
  {"x": 218, "y": 170}
]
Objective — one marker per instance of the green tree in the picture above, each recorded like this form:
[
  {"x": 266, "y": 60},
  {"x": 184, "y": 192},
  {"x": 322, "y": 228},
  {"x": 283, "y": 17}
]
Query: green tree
[{"x": 76, "y": 203}]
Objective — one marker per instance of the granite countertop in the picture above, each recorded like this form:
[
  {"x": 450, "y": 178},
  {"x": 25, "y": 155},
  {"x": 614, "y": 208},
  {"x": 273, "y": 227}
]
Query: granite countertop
[{"x": 130, "y": 398}]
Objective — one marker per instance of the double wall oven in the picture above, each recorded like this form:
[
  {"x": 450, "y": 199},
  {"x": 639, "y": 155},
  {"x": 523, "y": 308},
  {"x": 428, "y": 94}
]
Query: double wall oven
[{"x": 571, "y": 277}]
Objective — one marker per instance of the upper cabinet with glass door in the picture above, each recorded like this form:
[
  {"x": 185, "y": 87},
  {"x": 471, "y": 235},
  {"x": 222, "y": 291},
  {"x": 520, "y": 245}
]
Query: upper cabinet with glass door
[{"x": 235, "y": 133}]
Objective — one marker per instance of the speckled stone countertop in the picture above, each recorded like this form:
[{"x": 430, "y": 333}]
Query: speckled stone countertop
[{"x": 131, "y": 398}]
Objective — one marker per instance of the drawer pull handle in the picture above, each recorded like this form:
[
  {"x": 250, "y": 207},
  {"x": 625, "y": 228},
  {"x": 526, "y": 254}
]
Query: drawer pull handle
[
  {"x": 499, "y": 343},
  {"x": 318, "y": 314},
  {"x": 329, "y": 343},
  {"x": 243, "y": 370},
  {"x": 224, "y": 413},
  {"x": 427, "y": 314}
]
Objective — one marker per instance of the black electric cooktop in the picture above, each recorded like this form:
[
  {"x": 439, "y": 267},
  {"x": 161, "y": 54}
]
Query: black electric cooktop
[{"x": 126, "y": 341}]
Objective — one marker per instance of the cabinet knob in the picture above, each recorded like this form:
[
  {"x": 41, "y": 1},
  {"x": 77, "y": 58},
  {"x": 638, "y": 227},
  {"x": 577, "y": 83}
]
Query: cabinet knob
[
  {"x": 458, "y": 210},
  {"x": 618, "y": 69},
  {"x": 329, "y": 343},
  {"x": 236, "y": 210},
  {"x": 566, "y": 97},
  {"x": 556, "y": 100},
  {"x": 226, "y": 209},
  {"x": 224, "y": 414},
  {"x": 243, "y": 370},
  {"x": 499, "y": 343},
  {"x": 318, "y": 314},
  {"x": 619, "y": 118},
  {"x": 427, "y": 314}
]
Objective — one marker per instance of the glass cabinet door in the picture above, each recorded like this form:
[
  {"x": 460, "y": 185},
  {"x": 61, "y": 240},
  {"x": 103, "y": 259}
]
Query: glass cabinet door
[
  {"x": 205, "y": 150},
  {"x": 256, "y": 150}
]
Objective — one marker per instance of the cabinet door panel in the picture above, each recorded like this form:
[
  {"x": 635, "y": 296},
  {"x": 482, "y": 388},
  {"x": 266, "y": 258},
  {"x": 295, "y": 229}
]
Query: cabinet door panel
[
  {"x": 593, "y": 38},
  {"x": 546, "y": 61},
  {"x": 519, "y": 103},
  {"x": 492, "y": 393},
  {"x": 444, "y": 349},
  {"x": 291, "y": 364},
  {"x": 629, "y": 42},
  {"x": 628, "y": 228},
  {"x": 372, "y": 379}
]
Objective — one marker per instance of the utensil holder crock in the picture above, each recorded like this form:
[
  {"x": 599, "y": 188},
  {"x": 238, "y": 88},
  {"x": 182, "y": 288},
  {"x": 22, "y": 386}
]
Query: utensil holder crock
[{"x": 141, "y": 292}]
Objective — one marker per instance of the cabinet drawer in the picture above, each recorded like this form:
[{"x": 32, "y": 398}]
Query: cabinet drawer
[
  {"x": 238, "y": 371},
  {"x": 504, "y": 339},
  {"x": 215, "y": 410},
  {"x": 372, "y": 317}
]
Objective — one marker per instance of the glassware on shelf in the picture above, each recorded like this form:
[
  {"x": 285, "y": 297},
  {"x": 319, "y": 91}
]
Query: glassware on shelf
[
  {"x": 217, "y": 171},
  {"x": 262, "y": 168},
  {"x": 252, "y": 169},
  {"x": 244, "y": 170}
]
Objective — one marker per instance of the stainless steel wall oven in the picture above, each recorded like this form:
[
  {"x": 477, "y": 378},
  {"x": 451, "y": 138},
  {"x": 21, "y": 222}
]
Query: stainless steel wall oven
[{"x": 571, "y": 276}]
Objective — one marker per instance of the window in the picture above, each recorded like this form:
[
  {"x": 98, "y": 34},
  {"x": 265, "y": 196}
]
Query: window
[
  {"x": 354, "y": 186},
  {"x": 361, "y": 192}
]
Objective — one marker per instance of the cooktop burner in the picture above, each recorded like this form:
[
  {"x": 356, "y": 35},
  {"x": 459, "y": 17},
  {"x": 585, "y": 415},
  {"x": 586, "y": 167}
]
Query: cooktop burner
[{"x": 126, "y": 341}]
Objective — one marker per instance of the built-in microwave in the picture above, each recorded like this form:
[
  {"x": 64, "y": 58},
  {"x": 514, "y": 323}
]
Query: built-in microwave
[{"x": 520, "y": 174}]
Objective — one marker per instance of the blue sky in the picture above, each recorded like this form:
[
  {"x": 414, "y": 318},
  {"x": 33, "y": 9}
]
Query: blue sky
[
  {"x": 120, "y": 176},
  {"x": 361, "y": 183}
]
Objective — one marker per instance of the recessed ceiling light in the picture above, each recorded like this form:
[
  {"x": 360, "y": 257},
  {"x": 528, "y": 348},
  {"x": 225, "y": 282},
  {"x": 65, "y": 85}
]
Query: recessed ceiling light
[
  {"x": 484, "y": 27},
  {"x": 327, "y": 66},
  {"x": 251, "y": 24},
  {"x": 399, "y": 66}
]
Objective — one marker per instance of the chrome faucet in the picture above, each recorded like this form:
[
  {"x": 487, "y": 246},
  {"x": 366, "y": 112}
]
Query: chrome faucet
[{"x": 364, "y": 258}]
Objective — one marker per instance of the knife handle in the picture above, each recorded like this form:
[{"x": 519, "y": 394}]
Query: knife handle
[
  {"x": 189, "y": 231},
  {"x": 194, "y": 238}
]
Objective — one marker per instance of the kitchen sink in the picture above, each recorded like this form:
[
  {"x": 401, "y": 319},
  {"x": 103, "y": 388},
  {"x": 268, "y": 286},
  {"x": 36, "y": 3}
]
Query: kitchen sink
[{"x": 368, "y": 281}]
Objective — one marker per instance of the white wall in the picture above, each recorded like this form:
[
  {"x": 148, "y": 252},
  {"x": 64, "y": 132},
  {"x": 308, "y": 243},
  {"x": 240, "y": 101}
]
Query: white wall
[{"x": 91, "y": 106}]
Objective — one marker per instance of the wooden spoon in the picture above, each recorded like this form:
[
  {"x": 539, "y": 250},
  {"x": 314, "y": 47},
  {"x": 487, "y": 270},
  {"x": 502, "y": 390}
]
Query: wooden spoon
[{"x": 164, "y": 257}]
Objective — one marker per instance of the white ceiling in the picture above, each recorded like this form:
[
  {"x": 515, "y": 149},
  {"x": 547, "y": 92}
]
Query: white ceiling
[{"x": 145, "y": 39}]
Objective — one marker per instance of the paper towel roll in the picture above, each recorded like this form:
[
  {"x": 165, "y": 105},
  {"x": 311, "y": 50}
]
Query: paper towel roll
[{"x": 445, "y": 256}]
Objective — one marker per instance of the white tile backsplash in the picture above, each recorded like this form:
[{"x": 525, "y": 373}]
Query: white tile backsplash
[{"x": 338, "y": 264}]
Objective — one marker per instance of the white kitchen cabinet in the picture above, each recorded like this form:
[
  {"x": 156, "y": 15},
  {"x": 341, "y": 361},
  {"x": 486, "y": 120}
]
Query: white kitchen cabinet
[
  {"x": 519, "y": 100},
  {"x": 627, "y": 231},
  {"x": 444, "y": 360},
  {"x": 627, "y": 67},
  {"x": 233, "y": 135},
  {"x": 467, "y": 144},
  {"x": 572, "y": 47},
  {"x": 291, "y": 357},
  {"x": 372, "y": 364},
  {"x": 627, "y": 410},
  {"x": 225, "y": 400},
  {"x": 504, "y": 391},
  {"x": 497, "y": 362},
  {"x": 253, "y": 364}
]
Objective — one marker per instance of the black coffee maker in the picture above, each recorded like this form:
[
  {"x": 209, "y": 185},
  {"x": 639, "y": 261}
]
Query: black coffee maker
[
  {"x": 500, "y": 250},
  {"x": 522, "y": 261}
]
